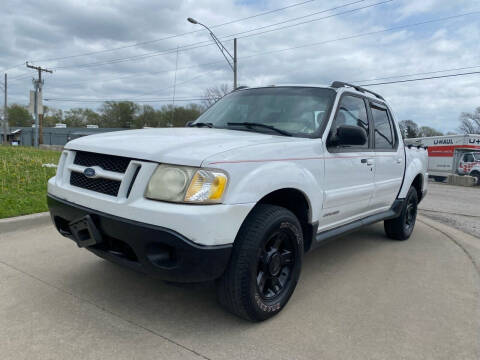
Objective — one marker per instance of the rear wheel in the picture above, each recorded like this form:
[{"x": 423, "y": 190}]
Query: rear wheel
[
  {"x": 476, "y": 174},
  {"x": 401, "y": 227},
  {"x": 265, "y": 264}
]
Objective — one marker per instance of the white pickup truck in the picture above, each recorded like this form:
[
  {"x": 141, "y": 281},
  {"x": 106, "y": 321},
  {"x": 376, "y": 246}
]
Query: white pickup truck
[{"x": 262, "y": 177}]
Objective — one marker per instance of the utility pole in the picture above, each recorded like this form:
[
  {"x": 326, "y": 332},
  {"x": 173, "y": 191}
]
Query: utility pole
[
  {"x": 38, "y": 93},
  {"x": 5, "y": 113},
  {"x": 174, "y": 88},
  {"x": 235, "y": 65}
]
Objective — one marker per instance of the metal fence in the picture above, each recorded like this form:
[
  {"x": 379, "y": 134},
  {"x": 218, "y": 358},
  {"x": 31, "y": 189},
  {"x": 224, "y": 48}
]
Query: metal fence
[{"x": 55, "y": 136}]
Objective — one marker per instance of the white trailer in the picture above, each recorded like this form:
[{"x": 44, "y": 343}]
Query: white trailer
[{"x": 451, "y": 154}]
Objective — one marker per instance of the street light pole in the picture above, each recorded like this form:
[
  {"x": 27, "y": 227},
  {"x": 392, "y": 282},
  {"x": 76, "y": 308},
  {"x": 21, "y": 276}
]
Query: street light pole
[{"x": 232, "y": 62}]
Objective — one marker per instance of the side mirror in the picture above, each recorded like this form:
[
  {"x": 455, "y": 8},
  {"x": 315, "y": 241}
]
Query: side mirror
[
  {"x": 189, "y": 123},
  {"x": 350, "y": 136}
]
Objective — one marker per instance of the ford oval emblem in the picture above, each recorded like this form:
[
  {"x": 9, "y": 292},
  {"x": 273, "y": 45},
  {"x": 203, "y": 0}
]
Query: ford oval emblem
[{"x": 89, "y": 172}]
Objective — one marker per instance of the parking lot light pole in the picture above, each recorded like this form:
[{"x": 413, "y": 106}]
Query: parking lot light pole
[{"x": 231, "y": 60}]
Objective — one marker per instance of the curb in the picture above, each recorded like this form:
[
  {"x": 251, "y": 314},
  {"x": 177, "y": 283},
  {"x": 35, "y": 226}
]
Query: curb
[
  {"x": 24, "y": 222},
  {"x": 469, "y": 244}
]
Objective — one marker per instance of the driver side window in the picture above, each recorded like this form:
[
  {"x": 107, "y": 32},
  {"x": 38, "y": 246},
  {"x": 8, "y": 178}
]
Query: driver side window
[
  {"x": 468, "y": 158},
  {"x": 351, "y": 112}
]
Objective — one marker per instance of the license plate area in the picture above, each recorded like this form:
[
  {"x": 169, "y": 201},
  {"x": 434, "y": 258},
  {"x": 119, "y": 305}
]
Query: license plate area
[{"x": 85, "y": 232}]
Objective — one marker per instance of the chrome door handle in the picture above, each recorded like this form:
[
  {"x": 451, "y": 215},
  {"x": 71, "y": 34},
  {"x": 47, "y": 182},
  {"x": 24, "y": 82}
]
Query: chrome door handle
[
  {"x": 369, "y": 162},
  {"x": 399, "y": 160}
]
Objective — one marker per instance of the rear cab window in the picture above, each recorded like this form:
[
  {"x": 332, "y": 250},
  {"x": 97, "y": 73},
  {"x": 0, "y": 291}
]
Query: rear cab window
[{"x": 383, "y": 128}]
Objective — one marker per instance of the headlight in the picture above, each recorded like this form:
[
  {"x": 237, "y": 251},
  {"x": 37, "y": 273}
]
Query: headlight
[{"x": 186, "y": 184}]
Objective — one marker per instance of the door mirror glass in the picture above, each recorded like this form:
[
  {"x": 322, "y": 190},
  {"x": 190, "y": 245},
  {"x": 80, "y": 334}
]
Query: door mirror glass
[{"x": 348, "y": 135}]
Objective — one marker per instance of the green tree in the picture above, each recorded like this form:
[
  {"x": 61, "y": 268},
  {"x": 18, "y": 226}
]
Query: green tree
[
  {"x": 147, "y": 116},
  {"x": 409, "y": 128},
  {"x": 119, "y": 114},
  {"x": 18, "y": 115},
  {"x": 179, "y": 116},
  {"x": 52, "y": 116},
  {"x": 80, "y": 117},
  {"x": 427, "y": 131}
]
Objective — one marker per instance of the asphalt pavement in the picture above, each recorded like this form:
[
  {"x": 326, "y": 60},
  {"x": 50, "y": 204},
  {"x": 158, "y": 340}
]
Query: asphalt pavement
[
  {"x": 457, "y": 206},
  {"x": 360, "y": 297}
]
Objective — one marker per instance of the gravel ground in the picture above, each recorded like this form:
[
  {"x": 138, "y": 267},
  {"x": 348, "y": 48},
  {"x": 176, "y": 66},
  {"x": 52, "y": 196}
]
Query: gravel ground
[{"x": 457, "y": 206}]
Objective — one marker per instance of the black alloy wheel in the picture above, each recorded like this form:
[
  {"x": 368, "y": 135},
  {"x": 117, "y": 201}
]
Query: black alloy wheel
[{"x": 275, "y": 264}]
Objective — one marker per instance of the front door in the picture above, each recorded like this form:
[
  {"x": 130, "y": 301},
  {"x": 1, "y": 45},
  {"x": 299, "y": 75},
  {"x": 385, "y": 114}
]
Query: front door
[{"x": 349, "y": 170}]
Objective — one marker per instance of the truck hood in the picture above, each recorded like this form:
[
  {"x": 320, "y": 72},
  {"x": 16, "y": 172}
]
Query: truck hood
[{"x": 183, "y": 146}]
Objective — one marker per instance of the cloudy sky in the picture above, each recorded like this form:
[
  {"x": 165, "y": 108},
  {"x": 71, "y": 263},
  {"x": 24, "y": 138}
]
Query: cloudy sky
[{"x": 126, "y": 49}]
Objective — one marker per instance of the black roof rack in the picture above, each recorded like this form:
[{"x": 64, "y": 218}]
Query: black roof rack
[
  {"x": 240, "y": 88},
  {"x": 339, "y": 84}
]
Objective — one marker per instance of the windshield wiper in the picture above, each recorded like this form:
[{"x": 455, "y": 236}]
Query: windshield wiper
[
  {"x": 252, "y": 124},
  {"x": 201, "y": 124}
]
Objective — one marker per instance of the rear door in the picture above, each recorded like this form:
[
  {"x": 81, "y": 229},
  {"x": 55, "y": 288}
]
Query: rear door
[
  {"x": 349, "y": 171},
  {"x": 389, "y": 156}
]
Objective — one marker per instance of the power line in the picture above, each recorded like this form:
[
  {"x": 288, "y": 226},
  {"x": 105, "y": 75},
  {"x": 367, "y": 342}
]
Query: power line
[
  {"x": 192, "y": 46},
  {"x": 176, "y": 35},
  {"x": 153, "y": 73},
  {"x": 308, "y": 21},
  {"x": 202, "y": 44},
  {"x": 416, "y": 74},
  {"x": 421, "y": 79},
  {"x": 360, "y": 35},
  {"x": 202, "y": 98},
  {"x": 354, "y": 36},
  {"x": 121, "y": 100},
  {"x": 342, "y": 39}
]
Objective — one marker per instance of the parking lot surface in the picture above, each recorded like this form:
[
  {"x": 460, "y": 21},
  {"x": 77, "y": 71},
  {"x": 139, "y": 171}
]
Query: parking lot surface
[
  {"x": 360, "y": 297},
  {"x": 457, "y": 206}
]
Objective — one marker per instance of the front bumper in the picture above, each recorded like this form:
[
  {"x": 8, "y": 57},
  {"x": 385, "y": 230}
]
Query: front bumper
[{"x": 150, "y": 249}]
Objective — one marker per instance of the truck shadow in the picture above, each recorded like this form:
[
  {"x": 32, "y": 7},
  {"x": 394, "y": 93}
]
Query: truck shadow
[{"x": 188, "y": 309}]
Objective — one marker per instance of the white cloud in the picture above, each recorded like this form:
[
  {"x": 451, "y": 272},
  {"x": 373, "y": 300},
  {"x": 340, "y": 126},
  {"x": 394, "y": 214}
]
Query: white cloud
[{"x": 58, "y": 28}]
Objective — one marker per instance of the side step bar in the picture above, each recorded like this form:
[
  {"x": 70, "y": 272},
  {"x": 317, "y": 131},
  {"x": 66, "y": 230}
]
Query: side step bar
[{"x": 329, "y": 235}]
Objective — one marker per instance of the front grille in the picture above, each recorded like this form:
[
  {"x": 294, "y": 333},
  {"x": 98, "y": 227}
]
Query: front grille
[
  {"x": 106, "y": 162},
  {"x": 104, "y": 186}
]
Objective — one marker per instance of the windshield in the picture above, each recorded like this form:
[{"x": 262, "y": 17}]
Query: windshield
[{"x": 294, "y": 110}]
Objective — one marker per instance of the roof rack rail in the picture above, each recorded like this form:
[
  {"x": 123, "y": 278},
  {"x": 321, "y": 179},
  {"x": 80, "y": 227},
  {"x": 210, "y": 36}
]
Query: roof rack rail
[
  {"x": 339, "y": 84},
  {"x": 240, "y": 88}
]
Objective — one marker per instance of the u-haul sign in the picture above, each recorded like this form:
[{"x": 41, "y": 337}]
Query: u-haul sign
[{"x": 444, "y": 152}]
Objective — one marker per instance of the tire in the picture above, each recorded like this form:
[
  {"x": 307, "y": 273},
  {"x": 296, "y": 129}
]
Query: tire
[
  {"x": 401, "y": 227},
  {"x": 476, "y": 174},
  {"x": 265, "y": 264}
]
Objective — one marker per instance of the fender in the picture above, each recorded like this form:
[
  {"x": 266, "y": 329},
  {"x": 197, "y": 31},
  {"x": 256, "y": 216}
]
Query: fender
[
  {"x": 415, "y": 167},
  {"x": 272, "y": 176},
  {"x": 474, "y": 168}
]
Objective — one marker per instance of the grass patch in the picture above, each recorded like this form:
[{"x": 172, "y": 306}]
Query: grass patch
[{"x": 23, "y": 180}]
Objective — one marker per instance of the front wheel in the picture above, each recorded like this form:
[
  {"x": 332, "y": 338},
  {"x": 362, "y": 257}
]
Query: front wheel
[
  {"x": 401, "y": 227},
  {"x": 265, "y": 264}
]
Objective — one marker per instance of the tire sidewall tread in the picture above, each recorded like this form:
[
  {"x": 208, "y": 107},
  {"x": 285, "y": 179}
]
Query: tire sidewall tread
[{"x": 235, "y": 289}]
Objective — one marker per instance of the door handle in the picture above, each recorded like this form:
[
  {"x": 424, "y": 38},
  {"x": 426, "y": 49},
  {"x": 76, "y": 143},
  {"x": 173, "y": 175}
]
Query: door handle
[
  {"x": 369, "y": 162},
  {"x": 399, "y": 160}
]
